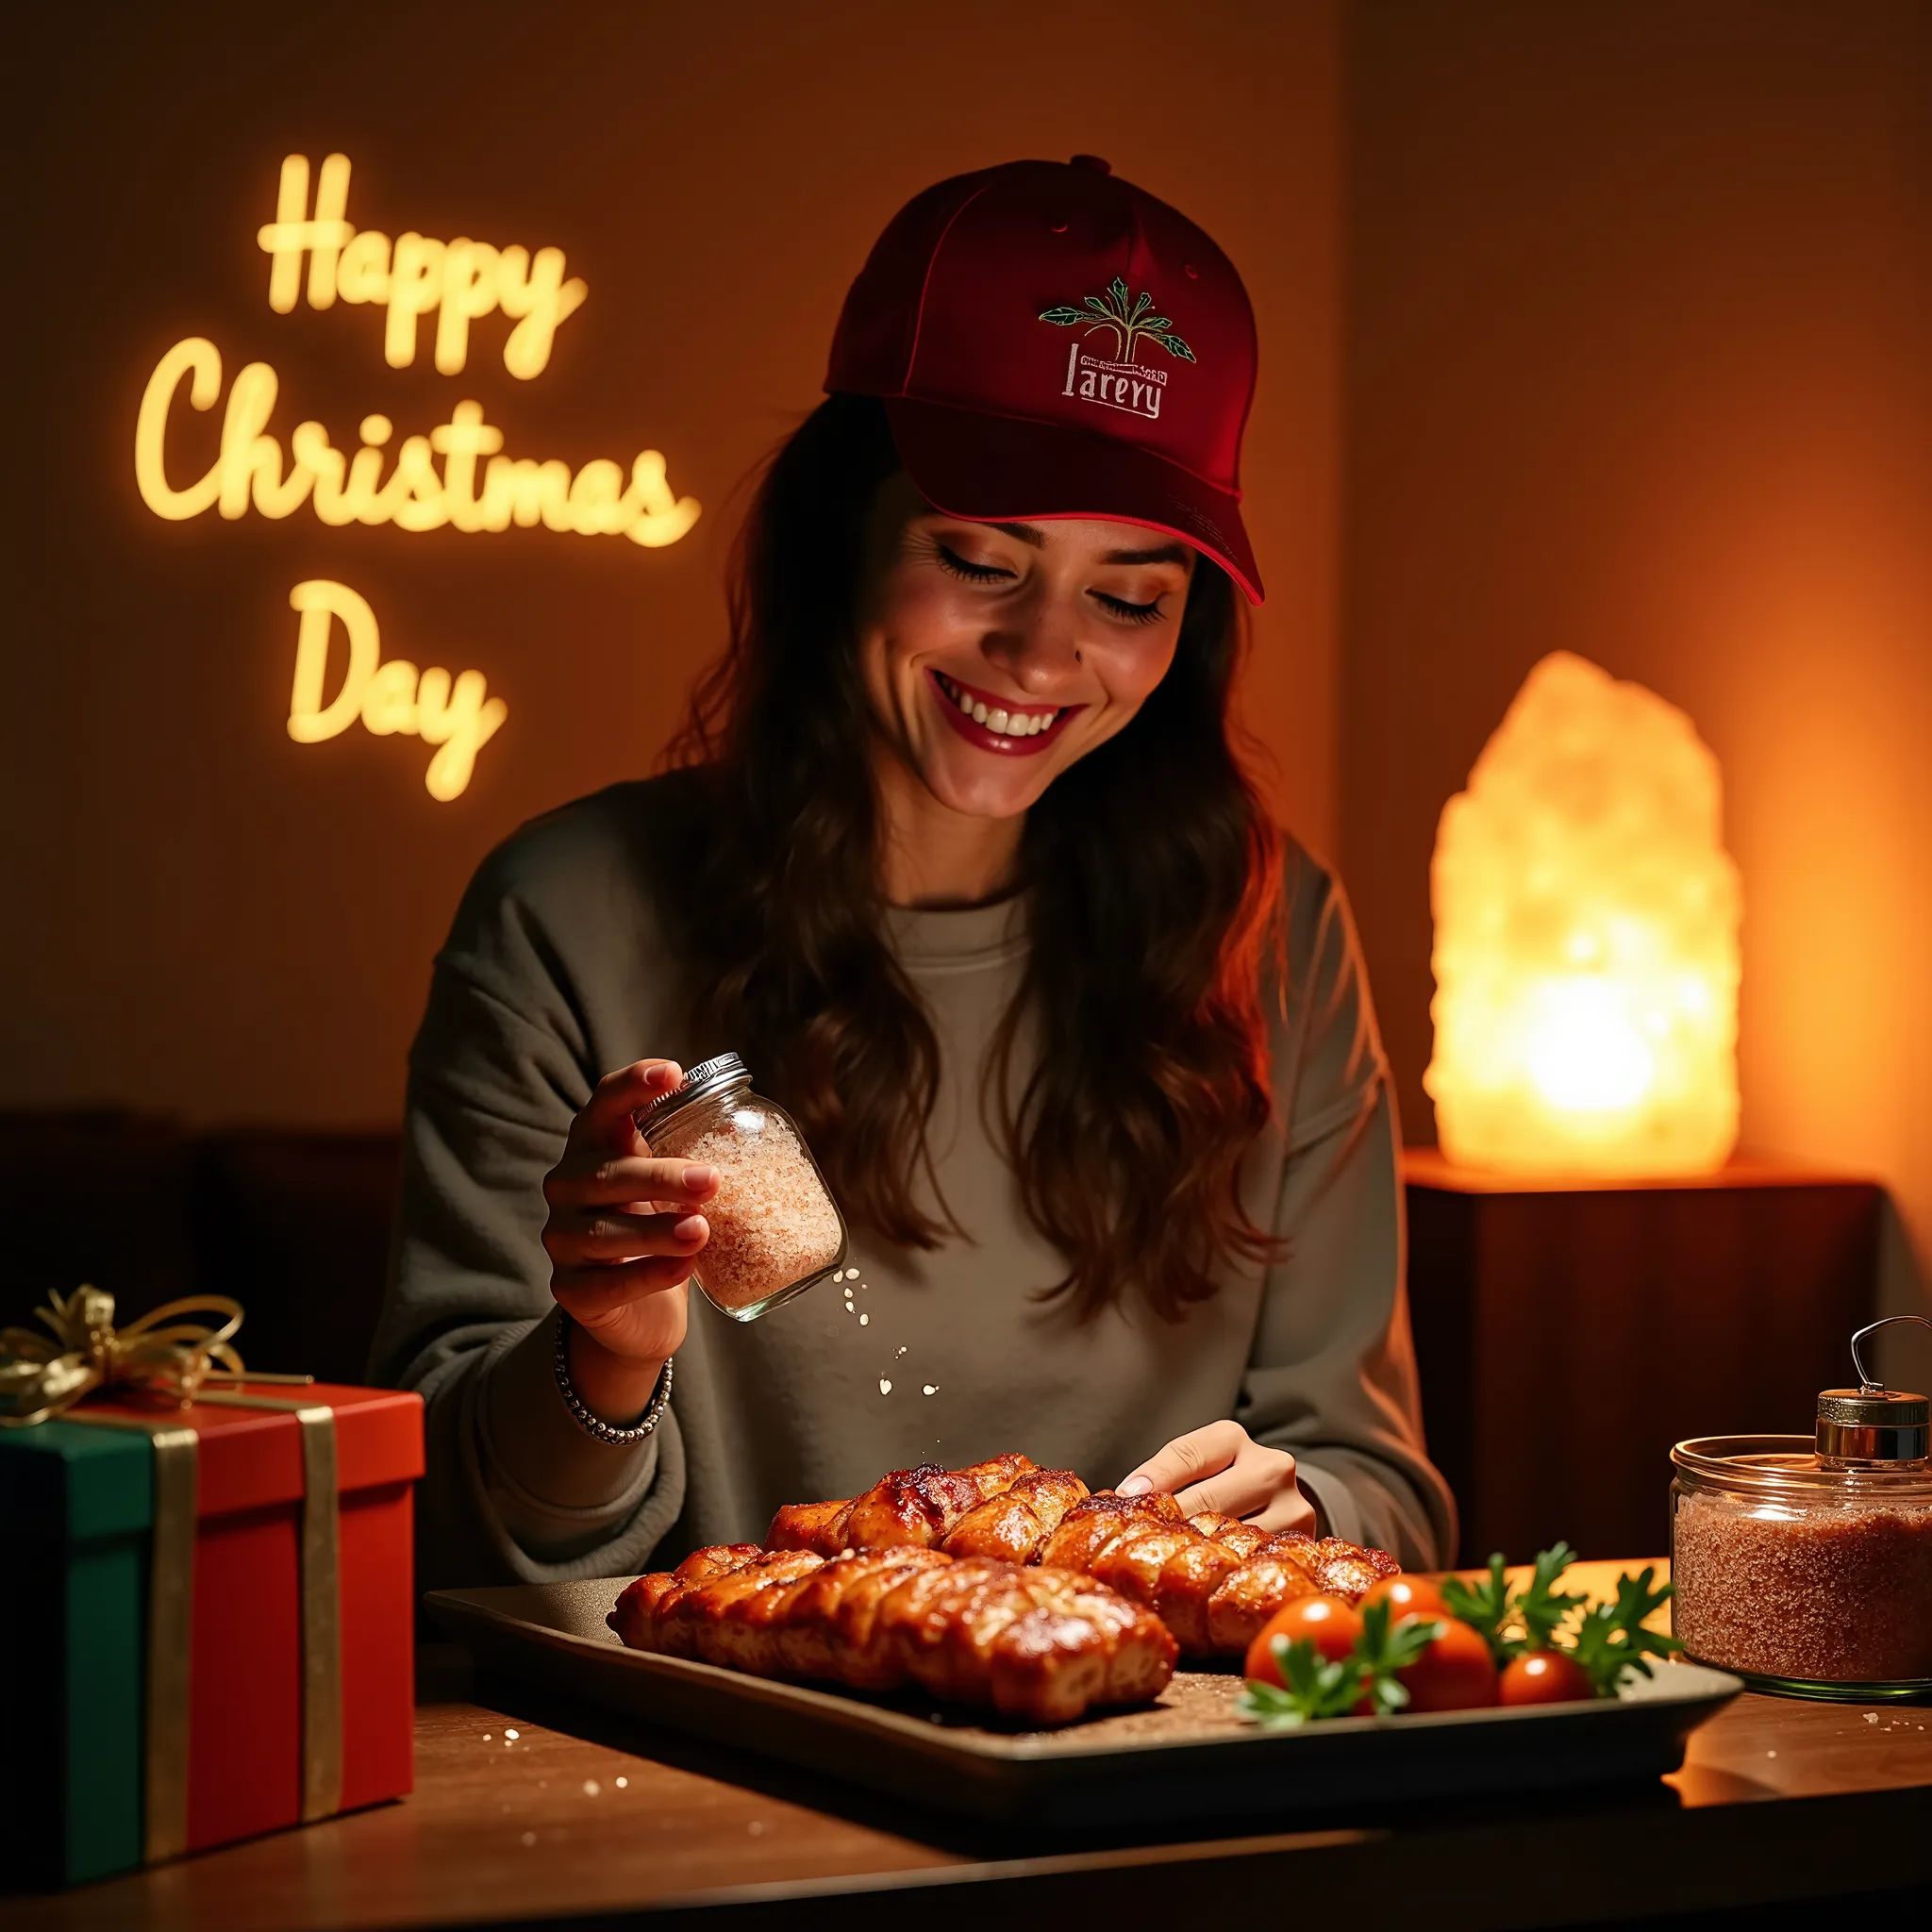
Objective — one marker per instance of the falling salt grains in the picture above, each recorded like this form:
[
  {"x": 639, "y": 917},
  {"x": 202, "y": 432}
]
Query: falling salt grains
[
  {"x": 622, "y": 1783},
  {"x": 897, "y": 1354},
  {"x": 932, "y": 1389},
  {"x": 592, "y": 1787},
  {"x": 863, "y": 1319},
  {"x": 529, "y": 1838},
  {"x": 756, "y": 1827},
  {"x": 885, "y": 1387}
]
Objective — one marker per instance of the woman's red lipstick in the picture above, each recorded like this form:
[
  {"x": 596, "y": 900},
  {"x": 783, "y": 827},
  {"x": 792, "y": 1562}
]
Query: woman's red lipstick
[{"x": 948, "y": 694}]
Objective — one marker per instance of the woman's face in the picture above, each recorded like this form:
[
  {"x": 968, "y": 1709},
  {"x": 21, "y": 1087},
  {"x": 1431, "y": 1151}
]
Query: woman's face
[{"x": 996, "y": 654}]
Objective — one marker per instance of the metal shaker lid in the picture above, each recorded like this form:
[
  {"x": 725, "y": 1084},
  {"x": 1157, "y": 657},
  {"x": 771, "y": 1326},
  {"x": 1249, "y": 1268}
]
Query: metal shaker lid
[
  {"x": 705, "y": 1079},
  {"x": 1873, "y": 1423}
]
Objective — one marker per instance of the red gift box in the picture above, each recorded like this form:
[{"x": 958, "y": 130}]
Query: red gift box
[{"x": 281, "y": 1605}]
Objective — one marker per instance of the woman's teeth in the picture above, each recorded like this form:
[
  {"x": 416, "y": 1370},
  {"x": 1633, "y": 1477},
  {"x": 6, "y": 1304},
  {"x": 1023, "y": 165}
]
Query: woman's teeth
[{"x": 1008, "y": 724}]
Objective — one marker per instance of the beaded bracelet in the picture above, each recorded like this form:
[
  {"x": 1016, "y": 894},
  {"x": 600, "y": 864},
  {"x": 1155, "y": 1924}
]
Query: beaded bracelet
[{"x": 594, "y": 1424}]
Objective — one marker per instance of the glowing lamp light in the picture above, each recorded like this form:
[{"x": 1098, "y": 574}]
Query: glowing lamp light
[{"x": 1586, "y": 954}]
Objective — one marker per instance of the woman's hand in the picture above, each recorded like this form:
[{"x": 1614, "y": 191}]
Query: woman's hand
[
  {"x": 621, "y": 1237},
  {"x": 1222, "y": 1468}
]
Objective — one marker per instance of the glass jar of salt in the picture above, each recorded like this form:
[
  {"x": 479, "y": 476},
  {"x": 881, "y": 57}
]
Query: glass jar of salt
[
  {"x": 775, "y": 1230},
  {"x": 1806, "y": 1566}
]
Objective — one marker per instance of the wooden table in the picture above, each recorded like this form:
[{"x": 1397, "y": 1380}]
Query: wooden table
[{"x": 524, "y": 1815}]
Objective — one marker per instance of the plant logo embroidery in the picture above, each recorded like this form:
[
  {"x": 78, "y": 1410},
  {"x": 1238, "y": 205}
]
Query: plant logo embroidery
[{"x": 1120, "y": 383}]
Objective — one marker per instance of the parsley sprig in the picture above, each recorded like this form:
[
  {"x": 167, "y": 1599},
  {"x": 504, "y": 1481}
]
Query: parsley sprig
[
  {"x": 1610, "y": 1640},
  {"x": 1315, "y": 1687},
  {"x": 1512, "y": 1622}
]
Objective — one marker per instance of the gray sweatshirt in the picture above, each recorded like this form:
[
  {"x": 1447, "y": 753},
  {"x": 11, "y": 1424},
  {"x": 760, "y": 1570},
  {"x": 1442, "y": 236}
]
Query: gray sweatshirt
[{"x": 560, "y": 968}]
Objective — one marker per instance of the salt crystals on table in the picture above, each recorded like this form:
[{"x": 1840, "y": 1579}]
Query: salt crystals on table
[{"x": 774, "y": 1228}]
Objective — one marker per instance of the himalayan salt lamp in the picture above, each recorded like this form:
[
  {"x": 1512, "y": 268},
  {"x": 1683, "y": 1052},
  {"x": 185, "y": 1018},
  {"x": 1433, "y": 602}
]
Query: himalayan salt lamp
[{"x": 1586, "y": 955}]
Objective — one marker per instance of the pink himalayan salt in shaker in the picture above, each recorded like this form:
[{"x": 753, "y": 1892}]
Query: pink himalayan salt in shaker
[
  {"x": 1805, "y": 1565},
  {"x": 775, "y": 1230}
]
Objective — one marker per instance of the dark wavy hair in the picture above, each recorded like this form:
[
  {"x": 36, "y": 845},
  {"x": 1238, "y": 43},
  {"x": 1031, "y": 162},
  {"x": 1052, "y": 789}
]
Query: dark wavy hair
[{"x": 1153, "y": 874}]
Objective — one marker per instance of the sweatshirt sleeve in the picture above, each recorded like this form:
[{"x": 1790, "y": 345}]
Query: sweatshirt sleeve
[
  {"x": 515, "y": 1490},
  {"x": 1332, "y": 1376}
]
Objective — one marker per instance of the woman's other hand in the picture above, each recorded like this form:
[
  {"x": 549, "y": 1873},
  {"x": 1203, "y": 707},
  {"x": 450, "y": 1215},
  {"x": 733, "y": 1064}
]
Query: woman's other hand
[
  {"x": 1222, "y": 1468},
  {"x": 620, "y": 1236}
]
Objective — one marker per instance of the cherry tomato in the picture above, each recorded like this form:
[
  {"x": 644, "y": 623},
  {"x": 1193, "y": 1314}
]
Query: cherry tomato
[
  {"x": 1407, "y": 1596},
  {"x": 1456, "y": 1673},
  {"x": 1328, "y": 1622},
  {"x": 1544, "y": 1676}
]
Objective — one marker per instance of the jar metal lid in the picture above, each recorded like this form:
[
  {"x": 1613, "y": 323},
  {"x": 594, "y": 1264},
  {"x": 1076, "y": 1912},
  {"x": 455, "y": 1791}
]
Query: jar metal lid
[
  {"x": 1874, "y": 1425},
  {"x": 707, "y": 1077}
]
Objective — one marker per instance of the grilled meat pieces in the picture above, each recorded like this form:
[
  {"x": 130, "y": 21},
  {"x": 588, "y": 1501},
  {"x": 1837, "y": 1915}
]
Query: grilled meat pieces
[
  {"x": 1015, "y": 1523},
  {"x": 1029, "y": 1641},
  {"x": 1214, "y": 1581},
  {"x": 912, "y": 1507}
]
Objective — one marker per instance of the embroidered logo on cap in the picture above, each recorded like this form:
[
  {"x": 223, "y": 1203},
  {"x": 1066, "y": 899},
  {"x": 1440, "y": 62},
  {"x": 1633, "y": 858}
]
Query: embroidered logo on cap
[
  {"x": 1110, "y": 312},
  {"x": 1122, "y": 382}
]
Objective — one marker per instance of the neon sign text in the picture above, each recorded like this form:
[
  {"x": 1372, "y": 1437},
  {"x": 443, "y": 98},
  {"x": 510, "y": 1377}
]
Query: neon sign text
[
  {"x": 459, "y": 282},
  {"x": 597, "y": 500},
  {"x": 455, "y": 715}
]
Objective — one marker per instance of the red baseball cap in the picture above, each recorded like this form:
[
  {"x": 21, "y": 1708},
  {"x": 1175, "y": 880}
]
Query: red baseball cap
[{"x": 1052, "y": 342}]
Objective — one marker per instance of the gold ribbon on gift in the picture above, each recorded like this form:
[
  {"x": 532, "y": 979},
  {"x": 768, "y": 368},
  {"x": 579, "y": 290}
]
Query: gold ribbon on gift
[
  {"x": 167, "y": 1674},
  {"x": 321, "y": 1598},
  {"x": 163, "y": 1353}
]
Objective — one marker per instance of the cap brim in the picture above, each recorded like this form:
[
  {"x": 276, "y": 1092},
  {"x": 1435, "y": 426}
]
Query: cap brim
[{"x": 999, "y": 469}]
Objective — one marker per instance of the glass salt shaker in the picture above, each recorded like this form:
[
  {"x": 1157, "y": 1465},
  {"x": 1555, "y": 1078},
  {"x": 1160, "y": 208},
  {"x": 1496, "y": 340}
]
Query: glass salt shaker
[
  {"x": 775, "y": 1230},
  {"x": 1806, "y": 1566}
]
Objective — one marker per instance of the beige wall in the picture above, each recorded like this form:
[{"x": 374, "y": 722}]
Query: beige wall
[
  {"x": 209, "y": 919},
  {"x": 1640, "y": 364}
]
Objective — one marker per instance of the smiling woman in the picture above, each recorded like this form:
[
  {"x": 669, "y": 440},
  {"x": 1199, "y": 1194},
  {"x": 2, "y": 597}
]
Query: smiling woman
[
  {"x": 1075, "y": 620},
  {"x": 1128, "y": 597},
  {"x": 957, "y": 851},
  {"x": 859, "y": 606}
]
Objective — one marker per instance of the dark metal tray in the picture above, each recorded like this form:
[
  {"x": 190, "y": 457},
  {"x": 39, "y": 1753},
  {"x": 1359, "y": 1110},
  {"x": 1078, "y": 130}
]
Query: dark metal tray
[{"x": 1190, "y": 1756}]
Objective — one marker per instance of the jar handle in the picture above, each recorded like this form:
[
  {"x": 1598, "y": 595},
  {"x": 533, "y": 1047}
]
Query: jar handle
[{"x": 1866, "y": 1385}]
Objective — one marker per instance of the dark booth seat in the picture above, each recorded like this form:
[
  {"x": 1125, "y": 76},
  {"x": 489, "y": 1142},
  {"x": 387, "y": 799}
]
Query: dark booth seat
[{"x": 295, "y": 1225}]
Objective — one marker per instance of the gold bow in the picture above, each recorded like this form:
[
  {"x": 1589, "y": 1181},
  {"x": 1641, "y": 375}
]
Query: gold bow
[{"x": 39, "y": 1379}]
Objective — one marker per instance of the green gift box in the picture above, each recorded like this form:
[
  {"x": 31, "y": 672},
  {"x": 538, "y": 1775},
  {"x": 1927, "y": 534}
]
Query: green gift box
[{"x": 76, "y": 1508}]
